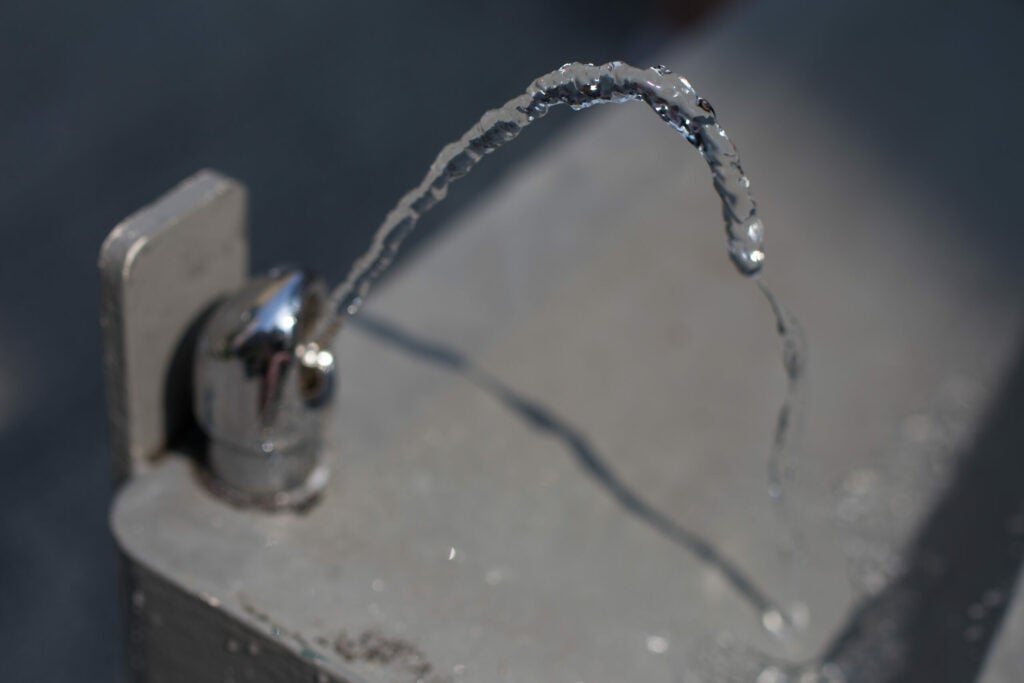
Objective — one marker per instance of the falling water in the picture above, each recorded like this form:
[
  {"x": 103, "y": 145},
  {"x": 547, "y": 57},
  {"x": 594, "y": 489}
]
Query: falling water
[{"x": 580, "y": 86}]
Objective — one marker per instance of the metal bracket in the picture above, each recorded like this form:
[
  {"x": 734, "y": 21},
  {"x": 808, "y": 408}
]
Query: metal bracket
[{"x": 160, "y": 270}]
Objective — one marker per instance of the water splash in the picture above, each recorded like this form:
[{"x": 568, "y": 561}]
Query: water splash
[{"x": 579, "y": 86}]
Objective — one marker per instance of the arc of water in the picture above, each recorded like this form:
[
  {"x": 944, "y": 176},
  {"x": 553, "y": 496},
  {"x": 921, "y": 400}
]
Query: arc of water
[{"x": 579, "y": 86}]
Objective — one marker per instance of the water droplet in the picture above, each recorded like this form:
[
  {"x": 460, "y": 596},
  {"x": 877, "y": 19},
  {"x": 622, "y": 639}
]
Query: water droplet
[
  {"x": 657, "y": 644},
  {"x": 232, "y": 646},
  {"x": 753, "y": 230},
  {"x": 452, "y": 553},
  {"x": 377, "y": 585},
  {"x": 773, "y": 621}
]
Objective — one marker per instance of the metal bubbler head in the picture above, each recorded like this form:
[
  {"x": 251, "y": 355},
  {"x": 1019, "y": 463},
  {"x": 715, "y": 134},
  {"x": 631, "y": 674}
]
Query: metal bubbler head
[{"x": 262, "y": 386}]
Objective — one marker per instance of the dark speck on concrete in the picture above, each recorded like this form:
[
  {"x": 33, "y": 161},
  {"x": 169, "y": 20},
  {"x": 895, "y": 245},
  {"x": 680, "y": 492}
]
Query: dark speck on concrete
[{"x": 374, "y": 647}]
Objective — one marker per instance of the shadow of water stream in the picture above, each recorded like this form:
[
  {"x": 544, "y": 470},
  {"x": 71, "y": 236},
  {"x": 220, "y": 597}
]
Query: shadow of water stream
[
  {"x": 543, "y": 419},
  {"x": 936, "y": 622}
]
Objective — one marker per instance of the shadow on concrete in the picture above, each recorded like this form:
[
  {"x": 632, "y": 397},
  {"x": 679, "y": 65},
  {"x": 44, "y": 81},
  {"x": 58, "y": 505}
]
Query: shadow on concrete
[
  {"x": 937, "y": 621},
  {"x": 926, "y": 626},
  {"x": 546, "y": 421}
]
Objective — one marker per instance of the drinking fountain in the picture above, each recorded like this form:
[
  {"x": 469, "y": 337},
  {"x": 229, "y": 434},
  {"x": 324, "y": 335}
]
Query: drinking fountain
[{"x": 536, "y": 470}]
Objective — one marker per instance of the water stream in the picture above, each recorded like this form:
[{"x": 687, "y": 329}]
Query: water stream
[
  {"x": 675, "y": 101},
  {"x": 579, "y": 86}
]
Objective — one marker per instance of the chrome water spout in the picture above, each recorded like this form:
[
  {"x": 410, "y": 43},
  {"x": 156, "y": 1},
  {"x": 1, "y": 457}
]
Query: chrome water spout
[{"x": 262, "y": 388}]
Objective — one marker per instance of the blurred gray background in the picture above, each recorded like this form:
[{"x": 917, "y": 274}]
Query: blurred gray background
[{"x": 329, "y": 111}]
